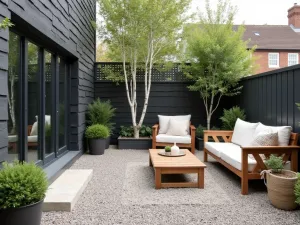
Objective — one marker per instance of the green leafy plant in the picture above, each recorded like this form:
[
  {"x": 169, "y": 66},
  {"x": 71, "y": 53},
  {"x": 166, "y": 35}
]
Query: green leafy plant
[
  {"x": 297, "y": 189},
  {"x": 200, "y": 130},
  {"x": 275, "y": 163},
  {"x": 21, "y": 184},
  {"x": 230, "y": 116},
  {"x": 101, "y": 112},
  {"x": 168, "y": 148},
  {"x": 128, "y": 131},
  {"x": 218, "y": 55},
  {"x": 6, "y": 23},
  {"x": 97, "y": 131}
]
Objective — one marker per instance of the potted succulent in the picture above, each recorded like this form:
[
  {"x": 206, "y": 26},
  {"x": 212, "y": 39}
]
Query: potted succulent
[
  {"x": 22, "y": 191},
  {"x": 97, "y": 137},
  {"x": 101, "y": 112},
  {"x": 126, "y": 139},
  {"x": 280, "y": 184},
  {"x": 168, "y": 149}
]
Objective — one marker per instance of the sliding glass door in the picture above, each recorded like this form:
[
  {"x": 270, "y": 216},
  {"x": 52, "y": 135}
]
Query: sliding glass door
[{"x": 37, "y": 102}]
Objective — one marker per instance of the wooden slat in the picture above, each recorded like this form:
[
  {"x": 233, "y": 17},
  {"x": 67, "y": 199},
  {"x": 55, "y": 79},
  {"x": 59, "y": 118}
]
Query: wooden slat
[{"x": 178, "y": 170}]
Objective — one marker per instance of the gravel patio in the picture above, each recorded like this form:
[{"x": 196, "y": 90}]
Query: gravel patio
[{"x": 122, "y": 192}]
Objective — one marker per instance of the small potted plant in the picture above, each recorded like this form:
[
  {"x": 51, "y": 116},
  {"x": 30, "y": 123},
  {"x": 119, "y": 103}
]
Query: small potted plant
[
  {"x": 280, "y": 184},
  {"x": 22, "y": 191},
  {"x": 168, "y": 149},
  {"x": 97, "y": 135}
]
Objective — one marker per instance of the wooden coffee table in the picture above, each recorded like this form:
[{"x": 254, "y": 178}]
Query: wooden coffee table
[{"x": 176, "y": 165}]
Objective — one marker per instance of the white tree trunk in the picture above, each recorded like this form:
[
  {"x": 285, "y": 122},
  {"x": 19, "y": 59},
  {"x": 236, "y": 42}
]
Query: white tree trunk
[{"x": 11, "y": 102}]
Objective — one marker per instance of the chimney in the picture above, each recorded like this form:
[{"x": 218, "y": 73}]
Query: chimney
[{"x": 294, "y": 16}]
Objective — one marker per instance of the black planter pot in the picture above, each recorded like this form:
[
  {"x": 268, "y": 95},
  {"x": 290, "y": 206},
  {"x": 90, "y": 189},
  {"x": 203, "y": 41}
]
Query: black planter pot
[
  {"x": 30, "y": 214},
  {"x": 107, "y": 142},
  {"x": 134, "y": 143},
  {"x": 97, "y": 146},
  {"x": 199, "y": 144}
]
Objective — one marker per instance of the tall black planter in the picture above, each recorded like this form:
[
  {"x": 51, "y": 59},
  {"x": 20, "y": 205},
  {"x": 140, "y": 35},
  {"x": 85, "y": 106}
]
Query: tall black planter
[
  {"x": 107, "y": 142},
  {"x": 199, "y": 144},
  {"x": 30, "y": 214},
  {"x": 97, "y": 146}
]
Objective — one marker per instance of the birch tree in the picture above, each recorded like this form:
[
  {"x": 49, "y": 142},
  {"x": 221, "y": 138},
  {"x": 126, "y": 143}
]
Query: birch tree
[
  {"x": 143, "y": 33},
  {"x": 218, "y": 55}
]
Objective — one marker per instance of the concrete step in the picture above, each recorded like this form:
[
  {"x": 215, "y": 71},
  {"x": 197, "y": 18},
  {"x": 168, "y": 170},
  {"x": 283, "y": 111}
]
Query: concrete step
[{"x": 64, "y": 192}]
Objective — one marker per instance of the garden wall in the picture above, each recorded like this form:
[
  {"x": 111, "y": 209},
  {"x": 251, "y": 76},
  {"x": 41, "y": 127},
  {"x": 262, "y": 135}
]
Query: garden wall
[{"x": 169, "y": 96}]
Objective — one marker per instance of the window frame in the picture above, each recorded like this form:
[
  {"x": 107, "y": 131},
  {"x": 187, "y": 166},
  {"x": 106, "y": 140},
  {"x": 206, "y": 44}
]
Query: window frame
[
  {"x": 278, "y": 59},
  {"x": 297, "y": 58}
]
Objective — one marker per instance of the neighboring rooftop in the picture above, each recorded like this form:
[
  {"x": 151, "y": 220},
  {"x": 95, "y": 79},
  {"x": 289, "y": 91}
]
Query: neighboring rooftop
[{"x": 272, "y": 37}]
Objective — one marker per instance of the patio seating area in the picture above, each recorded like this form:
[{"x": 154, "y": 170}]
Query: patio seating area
[{"x": 122, "y": 191}]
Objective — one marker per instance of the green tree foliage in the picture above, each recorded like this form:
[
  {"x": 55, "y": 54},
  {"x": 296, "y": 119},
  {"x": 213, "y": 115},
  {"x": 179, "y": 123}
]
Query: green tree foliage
[
  {"x": 5, "y": 23},
  {"x": 21, "y": 184},
  {"x": 127, "y": 131},
  {"x": 141, "y": 33},
  {"x": 218, "y": 55},
  {"x": 230, "y": 116}
]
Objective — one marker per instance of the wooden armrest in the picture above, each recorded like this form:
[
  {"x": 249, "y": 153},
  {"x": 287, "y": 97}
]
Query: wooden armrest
[
  {"x": 269, "y": 149},
  {"x": 154, "y": 130},
  {"x": 192, "y": 127},
  {"x": 225, "y": 134},
  {"x": 29, "y": 128}
]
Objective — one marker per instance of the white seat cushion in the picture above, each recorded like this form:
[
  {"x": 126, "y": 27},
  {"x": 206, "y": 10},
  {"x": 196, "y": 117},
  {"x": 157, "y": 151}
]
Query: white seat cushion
[
  {"x": 243, "y": 133},
  {"x": 284, "y": 133},
  {"x": 12, "y": 138},
  {"x": 216, "y": 148},
  {"x": 234, "y": 158},
  {"x": 164, "y": 138},
  {"x": 33, "y": 138}
]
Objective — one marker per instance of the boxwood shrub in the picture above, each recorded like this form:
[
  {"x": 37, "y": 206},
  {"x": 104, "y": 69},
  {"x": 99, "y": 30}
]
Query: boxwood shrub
[
  {"x": 97, "y": 131},
  {"x": 21, "y": 184}
]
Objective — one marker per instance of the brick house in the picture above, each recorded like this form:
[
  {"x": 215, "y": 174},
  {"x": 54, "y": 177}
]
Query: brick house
[{"x": 277, "y": 45}]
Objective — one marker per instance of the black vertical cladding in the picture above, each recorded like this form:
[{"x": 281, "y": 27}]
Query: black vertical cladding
[
  {"x": 275, "y": 94},
  {"x": 62, "y": 28}
]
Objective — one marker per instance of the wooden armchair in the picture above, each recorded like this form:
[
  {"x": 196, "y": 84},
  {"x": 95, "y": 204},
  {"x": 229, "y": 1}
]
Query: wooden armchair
[
  {"x": 287, "y": 152},
  {"x": 191, "y": 145}
]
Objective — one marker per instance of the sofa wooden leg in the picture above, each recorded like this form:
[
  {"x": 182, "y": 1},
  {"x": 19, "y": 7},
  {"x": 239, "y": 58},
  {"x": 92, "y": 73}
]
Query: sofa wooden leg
[
  {"x": 244, "y": 184},
  {"x": 204, "y": 155},
  {"x": 193, "y": 149}
]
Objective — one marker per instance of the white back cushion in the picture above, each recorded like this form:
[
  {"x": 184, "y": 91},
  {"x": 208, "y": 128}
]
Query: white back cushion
[
  {"x": 243, "y": 133},
  {"x": 164, "y": 122},
  {"x": 284, "y": 132},
  {"x": 178, "y": 127},
  {"x": 34, "y": 129}
]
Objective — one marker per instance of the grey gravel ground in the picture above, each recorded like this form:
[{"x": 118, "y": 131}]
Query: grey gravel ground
[{"x": 114, "y": 197}]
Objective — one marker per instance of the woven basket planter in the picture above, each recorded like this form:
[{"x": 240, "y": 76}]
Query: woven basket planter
[{"x": 281, "y": 190}]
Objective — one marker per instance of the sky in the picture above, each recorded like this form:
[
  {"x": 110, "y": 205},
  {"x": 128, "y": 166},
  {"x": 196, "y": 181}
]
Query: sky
[{"x": 256, "y": 12}]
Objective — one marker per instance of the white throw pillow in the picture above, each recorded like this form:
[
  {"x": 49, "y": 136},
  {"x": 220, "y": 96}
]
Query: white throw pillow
[
  {"x": 178, "y": 127},
  {"x": 34, "y": 129},
  {"x": 243, "y": 133},
  {"x": 164, "y": 122},
  {"x": 284, "y": 133},
  {"x": 266, "y": 138}
]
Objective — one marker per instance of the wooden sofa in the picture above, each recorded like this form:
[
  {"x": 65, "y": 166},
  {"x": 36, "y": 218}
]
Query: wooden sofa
[
  {"x": 289, "y": 153},
  {"x": 13, "y": 145},
  {"x": 191, "y": 146}
]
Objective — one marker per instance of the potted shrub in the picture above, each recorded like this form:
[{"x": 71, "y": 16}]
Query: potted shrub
[
  {"x": 280, "y": 184},
  {"x": 199, "y": 144},
  {"x": 97, "y": 138},
  {"x": 101, "y": 112},
  {"x": 126, "y": 139},
  {"x": 230, "y": 116},
  {"x": 22, "y": 191}
]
